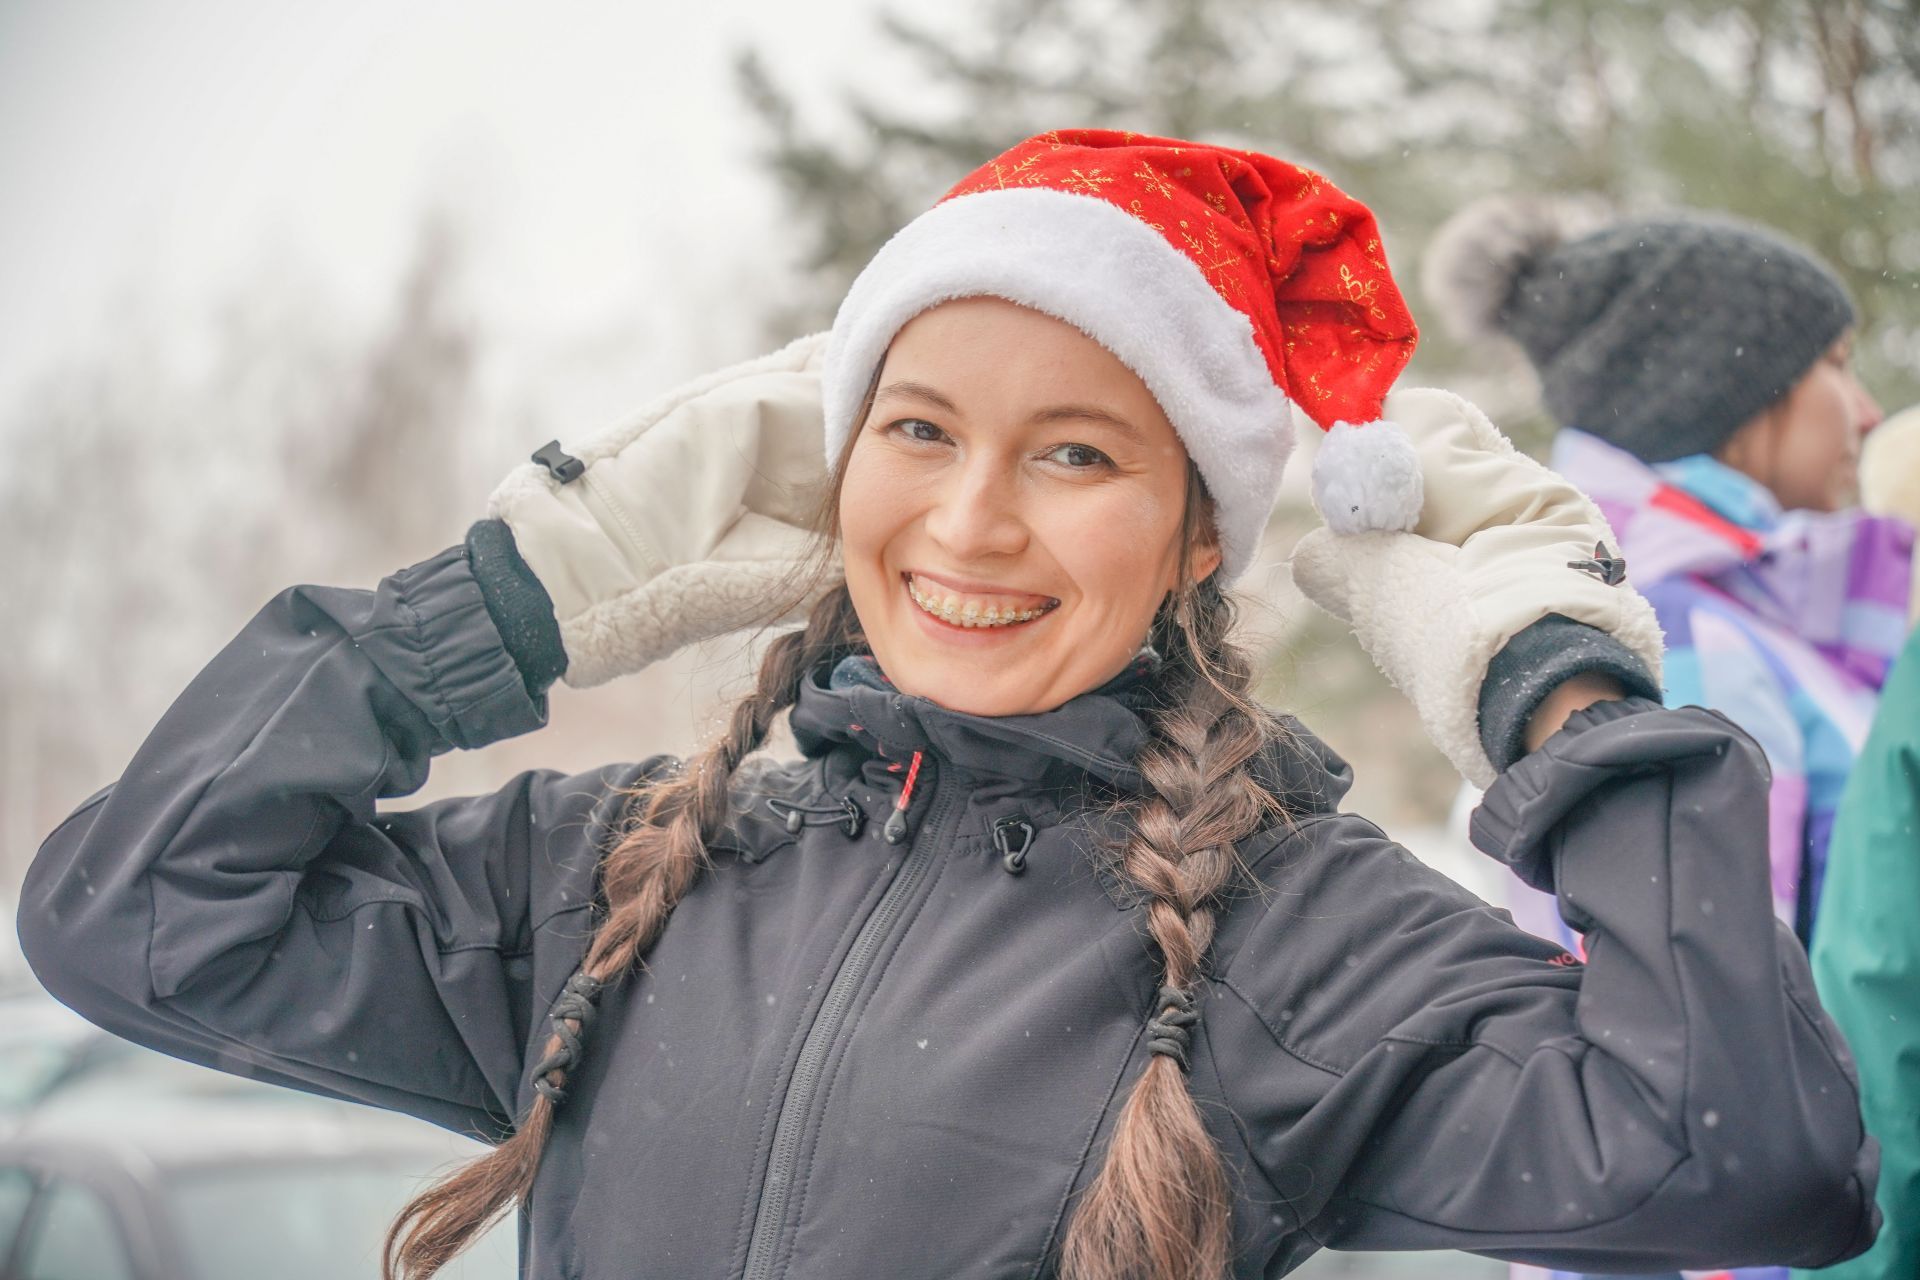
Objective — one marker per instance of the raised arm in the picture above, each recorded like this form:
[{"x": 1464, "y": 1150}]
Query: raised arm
[
  {"x": 1681, "y": 1100},
  {"x": 237, "y": 899}
]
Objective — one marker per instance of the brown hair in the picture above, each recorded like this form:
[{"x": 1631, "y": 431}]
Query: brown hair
[{"x": 1160, "y": 1207}]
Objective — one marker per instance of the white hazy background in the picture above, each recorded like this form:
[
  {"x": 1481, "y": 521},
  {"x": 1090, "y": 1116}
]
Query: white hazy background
[{"x": 158, "y": 158}]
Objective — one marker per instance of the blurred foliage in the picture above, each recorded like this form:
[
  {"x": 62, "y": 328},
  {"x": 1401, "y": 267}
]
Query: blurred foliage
[{"x": 1803, "y": 114}]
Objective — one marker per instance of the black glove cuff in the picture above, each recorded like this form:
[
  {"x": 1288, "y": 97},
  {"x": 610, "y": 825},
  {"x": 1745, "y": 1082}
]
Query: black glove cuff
[
  {"x": 521, "y": 609},
  {"x": 1535, "y": 663}
]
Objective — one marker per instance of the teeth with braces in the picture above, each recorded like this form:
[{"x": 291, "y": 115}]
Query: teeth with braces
[{"x": 950, "y": 610}]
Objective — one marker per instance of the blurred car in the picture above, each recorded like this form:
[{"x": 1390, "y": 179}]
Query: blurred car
[
  {"x": 217, "y": 1188},
  {"x": 118, "y": 1163},
  {"x": 44, "y": 1047}
]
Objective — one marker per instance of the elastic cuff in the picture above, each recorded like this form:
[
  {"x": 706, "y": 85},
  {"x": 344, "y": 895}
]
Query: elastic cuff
[
  {"x": 521, "y": 609},
  {"x": 433, "y": 637},
  {"x": 1535, "y": 663}
]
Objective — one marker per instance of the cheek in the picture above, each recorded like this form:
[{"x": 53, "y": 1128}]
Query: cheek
[
  {"x": 872, "y": 505},
  {"x": 1120, "y": 549},
  {"x": 1818, "y": 458},
  {"x": 1828, "y": 440}
]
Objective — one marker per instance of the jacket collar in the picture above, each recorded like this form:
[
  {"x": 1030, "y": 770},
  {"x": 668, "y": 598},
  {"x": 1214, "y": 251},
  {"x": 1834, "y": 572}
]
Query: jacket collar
[
  {"x": 1098, "y": 734},
  {"x": 1670, "y": 520},
  {"x": 1729, "y": 493}
]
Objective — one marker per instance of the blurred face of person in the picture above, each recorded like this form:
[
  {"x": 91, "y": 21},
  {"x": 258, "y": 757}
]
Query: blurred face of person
[
  {"x": 1806, "y": 447},
  {"x": 1012, "y": 511}
]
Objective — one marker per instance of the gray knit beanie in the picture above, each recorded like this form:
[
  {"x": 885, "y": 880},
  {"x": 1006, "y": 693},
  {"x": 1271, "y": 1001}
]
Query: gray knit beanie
[{"x": 1662, "y": 335}]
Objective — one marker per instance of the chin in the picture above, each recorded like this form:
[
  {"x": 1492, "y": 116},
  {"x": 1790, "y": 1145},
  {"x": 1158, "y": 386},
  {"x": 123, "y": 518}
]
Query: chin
[{"x": 966, "y": 693}]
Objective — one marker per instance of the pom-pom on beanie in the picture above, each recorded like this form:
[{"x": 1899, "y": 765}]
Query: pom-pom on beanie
[
  {"x": 1661, "y": 335},
  {"x": 1237, "y": 287}
]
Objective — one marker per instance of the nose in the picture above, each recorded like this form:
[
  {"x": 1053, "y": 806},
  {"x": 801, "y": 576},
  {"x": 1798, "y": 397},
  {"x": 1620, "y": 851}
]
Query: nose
[
  {"x": 1866, "y": 408},
  {"x": 977, "y": 513}
]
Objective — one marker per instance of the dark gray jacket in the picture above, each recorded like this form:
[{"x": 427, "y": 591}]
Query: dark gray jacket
[{"x": 855, "y": 1058}]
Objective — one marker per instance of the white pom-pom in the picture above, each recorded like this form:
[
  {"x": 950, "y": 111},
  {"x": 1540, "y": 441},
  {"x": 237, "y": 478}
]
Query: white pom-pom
[{"x": 1367, "y": 478}]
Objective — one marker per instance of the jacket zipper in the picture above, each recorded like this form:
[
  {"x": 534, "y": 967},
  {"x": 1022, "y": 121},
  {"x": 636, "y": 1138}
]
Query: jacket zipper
[{"x": 770, "y": 1219}]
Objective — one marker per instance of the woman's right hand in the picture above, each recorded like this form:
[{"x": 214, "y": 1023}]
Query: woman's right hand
[{"x": 688, "y": 521}]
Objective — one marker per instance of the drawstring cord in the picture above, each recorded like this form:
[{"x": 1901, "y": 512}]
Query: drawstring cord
[
  {"x": 846, "y": 815},
  {"x": 896, "y": 829}
]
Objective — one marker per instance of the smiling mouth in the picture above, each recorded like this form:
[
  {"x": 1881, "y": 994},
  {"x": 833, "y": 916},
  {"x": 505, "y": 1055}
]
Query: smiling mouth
[{"x": 976, "y": 610}]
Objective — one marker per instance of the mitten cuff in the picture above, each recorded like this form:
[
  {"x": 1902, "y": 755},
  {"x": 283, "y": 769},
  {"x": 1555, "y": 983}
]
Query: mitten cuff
[
  {"x": 520, "y": 608},
  {"x": 1537, "y": 661}
]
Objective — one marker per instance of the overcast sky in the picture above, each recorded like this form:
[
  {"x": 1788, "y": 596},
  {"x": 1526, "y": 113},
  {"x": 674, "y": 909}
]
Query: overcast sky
[{"x": 158, "y": 157}]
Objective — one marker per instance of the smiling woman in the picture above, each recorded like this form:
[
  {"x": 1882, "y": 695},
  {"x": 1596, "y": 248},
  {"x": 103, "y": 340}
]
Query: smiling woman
[
  {"x": 1052, "y": 954},
  {"x": 1013, "y": 512}
]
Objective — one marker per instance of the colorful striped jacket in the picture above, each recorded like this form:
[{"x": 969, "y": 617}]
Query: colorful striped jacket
[{"x": 1787, "y": 622}]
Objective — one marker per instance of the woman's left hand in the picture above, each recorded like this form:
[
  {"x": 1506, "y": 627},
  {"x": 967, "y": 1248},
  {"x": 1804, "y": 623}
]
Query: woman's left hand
[{"x": 1501, "y": 543}]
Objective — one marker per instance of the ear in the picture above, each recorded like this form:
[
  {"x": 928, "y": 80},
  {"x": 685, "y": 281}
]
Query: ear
[{"x": 1204, "y": 557}]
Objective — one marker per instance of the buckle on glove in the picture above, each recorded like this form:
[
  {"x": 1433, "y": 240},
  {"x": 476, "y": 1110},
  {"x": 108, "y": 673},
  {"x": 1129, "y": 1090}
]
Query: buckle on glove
[
  {"x": 564, "y": 466},
  {"x": 1606, "y": 566}
]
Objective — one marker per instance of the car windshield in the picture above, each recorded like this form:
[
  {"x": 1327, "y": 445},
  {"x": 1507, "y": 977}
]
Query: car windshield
[{"x": 315, "y": 1221}]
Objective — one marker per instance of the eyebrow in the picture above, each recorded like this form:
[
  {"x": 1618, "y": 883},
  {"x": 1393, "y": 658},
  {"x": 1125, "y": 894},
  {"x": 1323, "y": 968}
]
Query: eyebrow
[
  {"x": 1052, "y": 413},
  {"x": 1088, "y": 413},
  {"x": 915, "y": 391}
]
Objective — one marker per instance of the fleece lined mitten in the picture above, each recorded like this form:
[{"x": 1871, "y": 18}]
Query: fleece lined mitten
[
  {"x": 1501, "y": 543},
  {"x": 689, "y": 521}
]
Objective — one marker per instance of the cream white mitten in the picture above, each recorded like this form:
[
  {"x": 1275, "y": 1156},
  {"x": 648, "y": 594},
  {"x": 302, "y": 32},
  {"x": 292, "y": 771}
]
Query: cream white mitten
[
  {"x": 1501, "y": 542},
  {"x": 689, "y": 520}
]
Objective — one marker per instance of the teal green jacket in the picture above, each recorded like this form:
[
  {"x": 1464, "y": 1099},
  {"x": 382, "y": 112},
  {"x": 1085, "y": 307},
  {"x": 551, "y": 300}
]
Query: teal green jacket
[{"x": 1866, "y": 959}]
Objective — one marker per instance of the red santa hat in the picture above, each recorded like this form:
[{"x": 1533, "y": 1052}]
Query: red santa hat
[{"x": 1237, "y": 287}]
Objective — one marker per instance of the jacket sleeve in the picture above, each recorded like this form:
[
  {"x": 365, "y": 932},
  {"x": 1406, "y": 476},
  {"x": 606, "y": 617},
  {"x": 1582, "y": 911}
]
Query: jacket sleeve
[
  {"x": 238, "y": 899},
  {"x": 1434, "y": 1077}
]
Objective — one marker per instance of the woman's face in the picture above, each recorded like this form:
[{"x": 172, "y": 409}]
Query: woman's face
[
  {"x": 1806, "y": 448},
  {"x": 1011, "y": 513}
]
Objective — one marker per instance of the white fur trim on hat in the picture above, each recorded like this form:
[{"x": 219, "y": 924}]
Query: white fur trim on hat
[
  {"x": 1082, "y": 260},
  {"x": 1367, "y": 478}
]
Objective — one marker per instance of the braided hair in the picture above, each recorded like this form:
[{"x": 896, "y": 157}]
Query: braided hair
[{"x": 1160, "y": 1207}]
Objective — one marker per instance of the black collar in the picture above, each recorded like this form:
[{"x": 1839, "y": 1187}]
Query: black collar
[{"x": 1098, "y": 733}]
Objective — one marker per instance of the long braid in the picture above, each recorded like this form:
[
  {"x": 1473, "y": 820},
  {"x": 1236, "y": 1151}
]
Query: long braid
[
  {"x": 660, "y": 853},
  {"x": 1161, "y": 1207}
]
